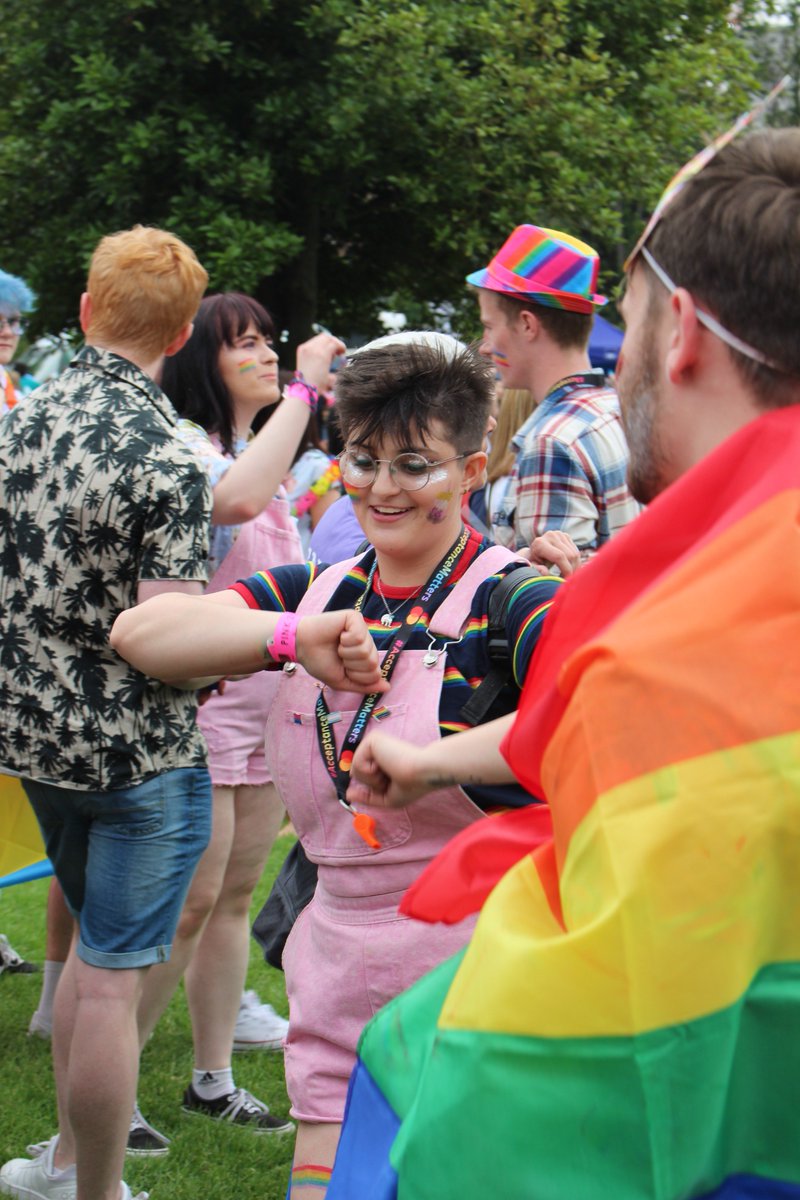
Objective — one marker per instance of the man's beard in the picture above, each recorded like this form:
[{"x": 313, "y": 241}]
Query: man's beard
[{"x": 639, "y": 391}]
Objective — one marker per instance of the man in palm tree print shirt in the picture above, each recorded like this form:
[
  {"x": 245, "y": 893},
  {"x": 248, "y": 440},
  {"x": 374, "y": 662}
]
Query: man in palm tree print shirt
[{"x": 100, "y": 506}]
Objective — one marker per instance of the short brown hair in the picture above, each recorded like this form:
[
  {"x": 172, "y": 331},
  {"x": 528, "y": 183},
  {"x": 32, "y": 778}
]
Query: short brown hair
[
  {"x": 569, "y": 330},
  {"x": 397, "y": 391},
  {"x": 146, "y": 286},
  {"x": 731, "y": 238}
]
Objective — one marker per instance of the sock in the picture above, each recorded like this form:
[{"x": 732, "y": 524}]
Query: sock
[
  {"x": 311, "y": 1175},
  {"x": 50, "y": 1169},
  {"x": 52, "y": 974},
  {"x": 210, "y": 1085}
]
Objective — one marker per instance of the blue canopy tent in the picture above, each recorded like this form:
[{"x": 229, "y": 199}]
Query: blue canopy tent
[{"x": 604, "y": 344}]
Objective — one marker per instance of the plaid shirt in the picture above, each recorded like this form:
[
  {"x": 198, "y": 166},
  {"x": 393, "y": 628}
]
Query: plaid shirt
[{"x": 571, "y": 469}]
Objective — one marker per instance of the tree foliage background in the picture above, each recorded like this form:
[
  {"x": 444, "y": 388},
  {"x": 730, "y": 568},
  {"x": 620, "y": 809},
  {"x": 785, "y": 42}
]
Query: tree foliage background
[
  {"x": 337, "y": 158},
  {"x": 772, "y": 34}
]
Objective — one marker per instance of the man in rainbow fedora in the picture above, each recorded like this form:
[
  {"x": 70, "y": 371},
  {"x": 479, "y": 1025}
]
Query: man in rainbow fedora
[{"x": 537, "y": 299}]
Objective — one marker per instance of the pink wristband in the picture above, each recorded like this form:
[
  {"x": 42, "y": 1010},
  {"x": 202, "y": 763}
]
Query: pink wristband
[
  {"x": 282, "y": 646},
  {"x": 299, "y": 389}
]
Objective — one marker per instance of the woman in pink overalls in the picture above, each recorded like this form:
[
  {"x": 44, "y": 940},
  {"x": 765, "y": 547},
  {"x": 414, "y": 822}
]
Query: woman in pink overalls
[
  {"x": 413, "y": 410},
  {"x": 225, "y": 375}
]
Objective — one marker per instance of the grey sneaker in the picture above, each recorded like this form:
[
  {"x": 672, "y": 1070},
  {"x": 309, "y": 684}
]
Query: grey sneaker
[
  {"x": 143, "y": 1140},
  {"x": 237, "y": 1108}
]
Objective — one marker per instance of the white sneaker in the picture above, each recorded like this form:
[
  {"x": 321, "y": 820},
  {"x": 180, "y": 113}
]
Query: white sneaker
[
  {"x": 37, "y": 1178},
  {"x": 34, "y": 1149},
  {"x": 258, "y": 1026}
]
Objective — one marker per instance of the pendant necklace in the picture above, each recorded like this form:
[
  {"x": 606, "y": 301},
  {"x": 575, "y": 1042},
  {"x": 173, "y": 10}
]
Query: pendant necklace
[{"x": 389, "y": 615}]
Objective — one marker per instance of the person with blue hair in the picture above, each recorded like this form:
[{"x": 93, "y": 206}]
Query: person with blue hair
[{"x": 16, "y": 299}]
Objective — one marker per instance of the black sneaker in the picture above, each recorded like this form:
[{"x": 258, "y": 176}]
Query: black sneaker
[
  {"x": 11, "y": 961},
  {"x": 237, "y": 1108},
  {"x": 143, "y": 1140}
]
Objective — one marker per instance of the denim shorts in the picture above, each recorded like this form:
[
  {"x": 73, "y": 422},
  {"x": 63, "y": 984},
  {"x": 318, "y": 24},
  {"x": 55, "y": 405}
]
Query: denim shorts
[{"x": 125, "y": 860}]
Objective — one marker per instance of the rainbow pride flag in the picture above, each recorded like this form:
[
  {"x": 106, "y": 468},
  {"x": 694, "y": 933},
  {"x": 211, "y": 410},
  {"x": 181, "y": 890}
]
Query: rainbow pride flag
[
  {"x": 625, "y": 1023},
  {"x": 22, "y": 853}
]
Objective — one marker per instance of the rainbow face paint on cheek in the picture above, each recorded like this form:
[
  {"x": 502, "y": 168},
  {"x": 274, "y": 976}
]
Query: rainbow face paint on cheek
[
  {"x": 500, "y": 359},
  {"x": 438, "y": 511},
  {"x": 353, "y": 492},
  {"x": 247, "y": 364}
]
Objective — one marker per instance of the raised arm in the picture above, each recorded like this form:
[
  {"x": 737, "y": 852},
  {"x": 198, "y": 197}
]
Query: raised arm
[
  {"x": 253, "y": 478},
  {"x": 191, "y": 641}
]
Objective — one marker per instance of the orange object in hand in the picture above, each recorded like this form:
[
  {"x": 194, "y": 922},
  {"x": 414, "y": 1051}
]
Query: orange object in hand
[{"x": 364, "y": 826}]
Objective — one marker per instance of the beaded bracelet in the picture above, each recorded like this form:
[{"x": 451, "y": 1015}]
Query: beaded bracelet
[
  {"x": 302, "y": 391},
  {"x": 282, "y": 646},
  {"x": 308, "y": 499}
]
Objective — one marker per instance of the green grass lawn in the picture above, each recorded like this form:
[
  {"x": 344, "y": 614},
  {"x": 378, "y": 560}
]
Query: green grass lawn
[{"x": 207, "y": 1161}]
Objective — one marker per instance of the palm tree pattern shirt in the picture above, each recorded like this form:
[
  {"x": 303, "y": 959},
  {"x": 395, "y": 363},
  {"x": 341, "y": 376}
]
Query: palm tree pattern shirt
[{"x": 97, "y": 493}]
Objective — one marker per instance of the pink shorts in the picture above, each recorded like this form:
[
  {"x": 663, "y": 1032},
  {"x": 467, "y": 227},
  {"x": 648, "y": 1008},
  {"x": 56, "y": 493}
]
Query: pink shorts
[
  {"x": 329, "y": 1007},
  {"x": 233, "y": 725}
]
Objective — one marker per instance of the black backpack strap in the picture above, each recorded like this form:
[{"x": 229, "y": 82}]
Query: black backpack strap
[{"x": 499, "y": 673}]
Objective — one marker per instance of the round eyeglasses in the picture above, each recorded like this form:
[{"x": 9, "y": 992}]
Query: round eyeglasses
[
  {"x": 16, "y": 325},
  {"x": 409, "y": 471}
]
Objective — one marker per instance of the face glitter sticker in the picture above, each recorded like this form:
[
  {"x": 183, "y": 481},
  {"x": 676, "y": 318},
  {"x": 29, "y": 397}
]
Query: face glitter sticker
[
  {"x": 437, "y": 476},
  {"x": 438, "y": 511}
]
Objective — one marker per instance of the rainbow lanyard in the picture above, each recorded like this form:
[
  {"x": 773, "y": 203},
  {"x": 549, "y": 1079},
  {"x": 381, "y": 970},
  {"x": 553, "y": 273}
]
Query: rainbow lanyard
[{"x": 339, "y": 768}]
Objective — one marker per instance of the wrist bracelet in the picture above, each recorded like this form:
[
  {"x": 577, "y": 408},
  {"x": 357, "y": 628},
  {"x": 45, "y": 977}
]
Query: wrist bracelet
[
  {"x": 282, "y": 646},
  {"x": 303, "y": 391}
]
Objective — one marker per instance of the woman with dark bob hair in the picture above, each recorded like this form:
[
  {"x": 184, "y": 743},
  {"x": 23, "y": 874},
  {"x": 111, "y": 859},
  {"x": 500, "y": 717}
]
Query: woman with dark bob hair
[{"x": 227, "y": 373}]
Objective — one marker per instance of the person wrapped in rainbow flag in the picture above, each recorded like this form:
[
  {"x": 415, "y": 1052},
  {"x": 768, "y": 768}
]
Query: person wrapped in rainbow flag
[{"x": 624, "y": 1022}]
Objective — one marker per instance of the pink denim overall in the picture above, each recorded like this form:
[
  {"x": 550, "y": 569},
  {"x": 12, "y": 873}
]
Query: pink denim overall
[
  {"x": 350, "y": 951},
  {"x": 233, "y": 723}
]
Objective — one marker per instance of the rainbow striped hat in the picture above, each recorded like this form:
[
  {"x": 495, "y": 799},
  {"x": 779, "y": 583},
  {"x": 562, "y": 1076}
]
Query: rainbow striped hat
[{"x": 544, "y": 266}]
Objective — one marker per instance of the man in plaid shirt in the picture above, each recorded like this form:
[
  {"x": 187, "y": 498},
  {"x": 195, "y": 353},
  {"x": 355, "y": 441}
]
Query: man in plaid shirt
[{"x": 537, "y": 299}]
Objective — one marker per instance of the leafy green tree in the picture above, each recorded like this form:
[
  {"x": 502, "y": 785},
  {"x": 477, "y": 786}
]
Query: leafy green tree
[
  {"x": 772, "y": 34},
  {"x": 335, "y": 157}
]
